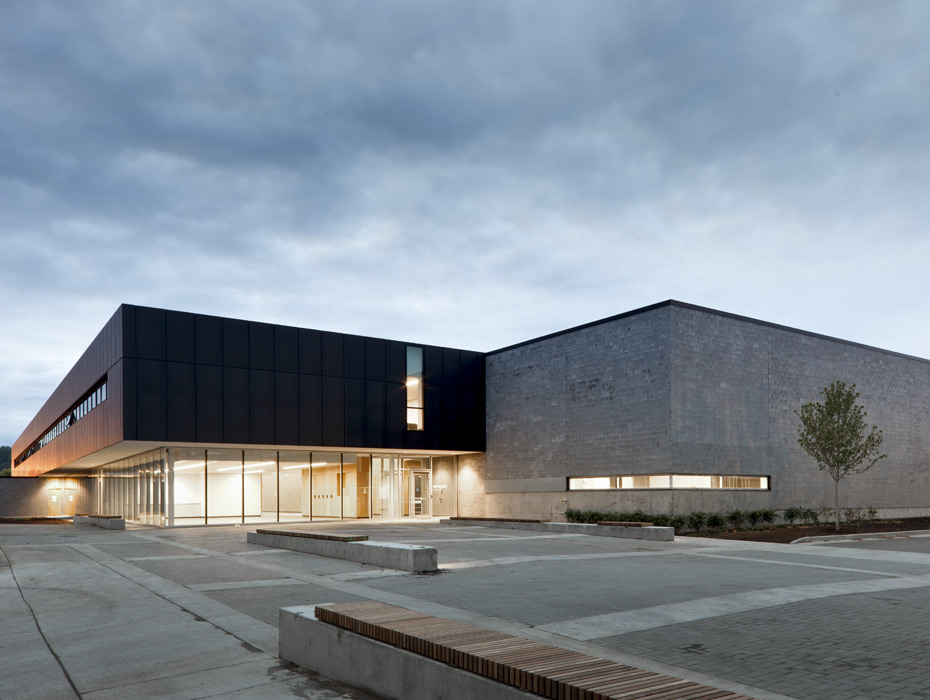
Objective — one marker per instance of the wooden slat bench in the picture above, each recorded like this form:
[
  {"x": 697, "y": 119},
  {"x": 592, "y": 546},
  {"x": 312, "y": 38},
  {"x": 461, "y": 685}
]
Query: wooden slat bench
[
  {"x": 531, "y": 666},
  {"x": 329, "y": 536}
]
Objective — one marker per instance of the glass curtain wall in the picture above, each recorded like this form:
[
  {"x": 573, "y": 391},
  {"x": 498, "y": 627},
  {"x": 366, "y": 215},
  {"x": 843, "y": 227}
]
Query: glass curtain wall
[
  {"x": 326, "y": 485},
  {"x": 181, "y": 486},
  {"x": 187, "y": 473},
  {"x": 224, "y": 486},
  {"x": 135, "y": 488},
  {"x": 294, "y": 495},
  {"x": 260, "y": 484}
]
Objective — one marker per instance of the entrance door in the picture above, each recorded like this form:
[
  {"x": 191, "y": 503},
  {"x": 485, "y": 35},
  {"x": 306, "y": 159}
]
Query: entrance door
[{"x": 420, "y": 492}]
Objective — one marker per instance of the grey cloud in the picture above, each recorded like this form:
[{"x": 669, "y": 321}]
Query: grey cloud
[{"x": 468, "y": 174}]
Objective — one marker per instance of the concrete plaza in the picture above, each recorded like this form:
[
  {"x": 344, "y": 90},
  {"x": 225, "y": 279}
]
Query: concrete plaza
[{"x": 192, "y": 613}]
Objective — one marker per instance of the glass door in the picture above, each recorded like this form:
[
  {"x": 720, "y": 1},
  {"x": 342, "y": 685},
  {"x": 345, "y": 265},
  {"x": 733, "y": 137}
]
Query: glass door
[{"x": 420, "y": 494}]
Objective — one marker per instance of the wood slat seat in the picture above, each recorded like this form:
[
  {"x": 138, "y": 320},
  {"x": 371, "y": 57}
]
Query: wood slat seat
[
  {"x": 328, "y": 536},
  {"x": 532, "y": 666}
]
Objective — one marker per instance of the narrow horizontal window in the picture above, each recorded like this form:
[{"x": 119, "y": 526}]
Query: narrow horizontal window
[
  {"x": 89, "y": 402},
  {"x": 667, "y": 481}
]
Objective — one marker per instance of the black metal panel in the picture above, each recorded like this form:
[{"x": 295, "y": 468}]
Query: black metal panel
[
  {"x": 311, "y": 410},
  {"x": 432, "y": 366},
  {"x": 150, "y": 333},
  {"x": 261, "y": 407},
  {"x": 235, "y": 343},
  {"x": 469, "y": 414},
  {"x": 354, "y": 356},
  {"x": 375, "y": 416},
  {"x": 235, "y": 404},
  {"x": 151, "y": 394},
  {"x": 209, "y": 340},
  {"x": 451, "y": 367},
  {"x": 333, "y": 355},
  {"x": 286, "y": 406},
  {"x": 182, "y": 416},
  {"x": 449, "y": 427},
  {"x": 396, "y": 362},
  {"x": 471, "y": 366},
  {"x": 310, "y": 351},
  {"x": 180, "y": 338},
  {"x": 261, "y": 345},
  {"x": 375, "y": 350},
  {"x": 128, "y": 323},
  {"x": 396, "y": 416},
  {"x": 432, "y": 396},
  {"x": 355, "y": 412},
  {"x": 285, "y": 349},
  {"x": 333, "y": 410},
  {"x": 209, "y": 400},
  {"x": 129, "y": 398}
]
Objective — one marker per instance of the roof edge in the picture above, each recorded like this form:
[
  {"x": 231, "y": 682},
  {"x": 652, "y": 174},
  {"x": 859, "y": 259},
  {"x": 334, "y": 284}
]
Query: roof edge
[{"x": 715, "y": 312}]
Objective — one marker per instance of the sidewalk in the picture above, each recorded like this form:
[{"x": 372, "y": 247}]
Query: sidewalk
[{"x": 192, "y": 613}]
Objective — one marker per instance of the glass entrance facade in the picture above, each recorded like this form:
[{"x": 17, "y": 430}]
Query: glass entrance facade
[{"x": 182, "y": 486}]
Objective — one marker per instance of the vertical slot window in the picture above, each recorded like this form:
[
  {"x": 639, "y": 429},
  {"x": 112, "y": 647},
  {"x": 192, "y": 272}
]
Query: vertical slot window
[{"x": 414, "y": 388}]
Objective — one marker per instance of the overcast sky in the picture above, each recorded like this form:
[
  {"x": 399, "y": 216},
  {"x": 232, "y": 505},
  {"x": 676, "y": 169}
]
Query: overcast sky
[{"x": 469, "y": 174}]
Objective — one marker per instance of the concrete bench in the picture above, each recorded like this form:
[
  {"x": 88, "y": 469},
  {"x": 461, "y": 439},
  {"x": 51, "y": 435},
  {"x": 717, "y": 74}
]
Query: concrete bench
[
  {"x": 498, "y": 520},
  {"x": 107, "y": 522},
  {"x": 404, "y": 654},
  {"x": 357, "y": 548},
  {"x": 624, "y": 523}
]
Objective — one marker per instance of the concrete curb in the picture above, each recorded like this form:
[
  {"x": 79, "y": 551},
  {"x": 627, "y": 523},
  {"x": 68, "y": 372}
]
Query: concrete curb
[
  {"x": 381, "y": 669},
  {"x": 863, "y": 536},
  {"x": 388, "y": 555},
  {"x": 655, "y": 534}
]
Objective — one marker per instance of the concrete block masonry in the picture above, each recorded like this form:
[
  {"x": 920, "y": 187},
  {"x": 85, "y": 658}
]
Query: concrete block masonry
[
  {"x": 655, "y": 534},
  {"x": 382, "y": 669},
  {"x": 388, "y": 555}
]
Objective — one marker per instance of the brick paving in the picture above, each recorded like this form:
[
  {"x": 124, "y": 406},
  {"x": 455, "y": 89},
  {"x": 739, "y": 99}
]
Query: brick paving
[
  {"x": 263, "y": 603},
  {"x": 203, "y": 570},
  {"x": 848, "y": 647}
]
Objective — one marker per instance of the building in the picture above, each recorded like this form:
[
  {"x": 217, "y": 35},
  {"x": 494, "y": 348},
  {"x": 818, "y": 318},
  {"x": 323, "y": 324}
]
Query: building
[{"x": 172, "y": 418}]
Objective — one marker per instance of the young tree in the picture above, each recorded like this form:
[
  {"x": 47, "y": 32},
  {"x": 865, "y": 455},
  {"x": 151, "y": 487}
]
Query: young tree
[{"x": 834, "y": 433}]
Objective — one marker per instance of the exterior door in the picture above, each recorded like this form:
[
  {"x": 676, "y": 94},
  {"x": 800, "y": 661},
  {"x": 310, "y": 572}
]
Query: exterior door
[{"x": 420, "y": 502}]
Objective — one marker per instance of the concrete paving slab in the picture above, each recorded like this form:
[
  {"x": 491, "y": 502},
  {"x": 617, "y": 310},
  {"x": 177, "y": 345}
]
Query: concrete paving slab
[{"x": 863, "y": 638}]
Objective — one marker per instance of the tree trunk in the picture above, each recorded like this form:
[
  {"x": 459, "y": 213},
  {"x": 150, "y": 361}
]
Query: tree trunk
[{"x": 836, "y": 504}]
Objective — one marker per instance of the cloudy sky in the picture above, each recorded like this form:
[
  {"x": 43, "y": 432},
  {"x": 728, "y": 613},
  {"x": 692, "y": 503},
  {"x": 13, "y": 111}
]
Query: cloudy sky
[{"x": 469, "y": 174}]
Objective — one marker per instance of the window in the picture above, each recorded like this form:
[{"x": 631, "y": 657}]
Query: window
[
  {"x": 414, "y": 388},
  {"x": 667, "y": 481},
  {"x": 88, "y": 402}
]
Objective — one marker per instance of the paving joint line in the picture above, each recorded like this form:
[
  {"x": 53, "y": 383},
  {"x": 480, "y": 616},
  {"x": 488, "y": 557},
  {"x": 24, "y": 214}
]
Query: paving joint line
[
  {"x": 802, "y": 564},
  {"x": 511, "y": 627},
  {"x": 35, "y": 621}
]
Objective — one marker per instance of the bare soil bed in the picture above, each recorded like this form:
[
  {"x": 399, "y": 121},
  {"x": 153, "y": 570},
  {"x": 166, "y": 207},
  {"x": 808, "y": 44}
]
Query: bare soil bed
[{"x": 790, "y": 533}]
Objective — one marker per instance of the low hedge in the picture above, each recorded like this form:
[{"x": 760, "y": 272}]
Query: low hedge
[{"x": 734, "y": 520}]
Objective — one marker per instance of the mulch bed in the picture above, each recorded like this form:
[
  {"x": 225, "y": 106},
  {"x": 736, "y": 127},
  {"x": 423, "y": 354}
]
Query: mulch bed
[
  {"x": 34, "y": 521},
  {"x": 786, "y": 534}
]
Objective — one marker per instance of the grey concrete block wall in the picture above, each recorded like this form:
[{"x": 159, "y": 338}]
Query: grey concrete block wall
[
  {"x": 680, "y": 389},
  {"x": 470, "y": 496},
  {"x": 23, "y": 497},
  {"x": 581, "y": 403},
  {"x": 737, "y": 384}
]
